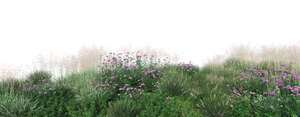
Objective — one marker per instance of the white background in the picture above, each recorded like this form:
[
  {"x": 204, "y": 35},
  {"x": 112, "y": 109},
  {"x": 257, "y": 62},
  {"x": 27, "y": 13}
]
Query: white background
[{"x": 195, "y": 29}]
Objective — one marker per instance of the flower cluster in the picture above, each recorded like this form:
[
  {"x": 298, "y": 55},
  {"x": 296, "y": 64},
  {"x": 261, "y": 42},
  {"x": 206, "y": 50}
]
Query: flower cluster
[
  {"x": 266, "y": 84},
  {"x": 42, "y": 87},
  {"x": 129, "y": 74}
]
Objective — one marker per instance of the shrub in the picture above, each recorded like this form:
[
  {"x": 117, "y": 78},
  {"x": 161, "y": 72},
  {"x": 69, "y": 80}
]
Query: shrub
[
  {"x": 267, "y": 92},
  {"x": 128, "y": 75},
  {"x": 15, "y": 105},
  {"x": 38, "y": 76},
  {"x": 157, "y": 105},
  {"x": 94, "y": 104},
  {"x": 52, "y": 100}
]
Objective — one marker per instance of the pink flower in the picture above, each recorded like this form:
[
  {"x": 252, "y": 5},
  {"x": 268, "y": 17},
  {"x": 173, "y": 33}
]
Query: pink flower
[
  {"x": 252, "y": 93},
  {"x": 89, "y": 94},
  {"x": 272, "y": 93},
  {"x": 287, "y": 87},
  {"x": 271, "y": 106},
  {"x": 230, "y": 105}
]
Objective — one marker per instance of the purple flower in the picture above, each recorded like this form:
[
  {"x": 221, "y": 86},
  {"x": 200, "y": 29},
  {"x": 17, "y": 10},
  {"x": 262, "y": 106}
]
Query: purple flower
[
  {"x": 254, "y": 77},
  {"x": 89, "y": 94},
  {"x": 279, "y": 81},
  {"x": 153, "y": 76},
  {"x": 296, "y": 88},
  {"x": 287, "y": 87},
  {"x": 43, "y": 80},
  {"x": 272, "y": 93},
  {"x": 297, "y": 78},
  {"x": 52, "y": 89}
]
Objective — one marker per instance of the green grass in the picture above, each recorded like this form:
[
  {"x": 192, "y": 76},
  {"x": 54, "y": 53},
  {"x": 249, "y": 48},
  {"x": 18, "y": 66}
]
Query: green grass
[{"x": 148, "y": 90}]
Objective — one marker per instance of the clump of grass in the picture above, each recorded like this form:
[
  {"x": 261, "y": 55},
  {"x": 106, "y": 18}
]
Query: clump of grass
[
  {"x": 123, "y": 108},
  {"x": 174, "y": 83},
  {"x": 16, "y": 105}
]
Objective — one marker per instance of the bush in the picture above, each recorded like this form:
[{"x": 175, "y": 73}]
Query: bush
[
  {"x": 15, "y": 105},
  {"x": 266, "y": 92},
  {"x": 39, "y": 76},
  {"x": 94, "y": 104},
  {"x": 56, "y": 101},
  {"x": 156, "y": 105}
]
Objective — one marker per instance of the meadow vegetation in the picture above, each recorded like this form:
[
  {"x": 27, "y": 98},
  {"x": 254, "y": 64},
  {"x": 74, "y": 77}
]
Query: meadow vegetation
[{"x": 143, "y": 85}]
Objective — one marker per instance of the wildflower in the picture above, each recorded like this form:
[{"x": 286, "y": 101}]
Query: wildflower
[
  {"x": 126, "y": 85},
  {"x": 279, "y": 81},
  {"x": 252, "y": 93},
  {"x": 153, "y": 76},
  {"x": 254, "y": 77},
  {"x": 52, "y": 89},
  {"x": 43, "y": 80},
  {"x": 272, "y": 93},
  {"x": 296, "y": 88},
  {"x": 287, "y": 87},
  {"x": 168, "y": 97},
  {"x": 271, "y": 106},
  {"x": 89, "y": 94},
  {"x": 230, "y": 105},
  {"x": 297, "y": 78},
  {"x": 241, "y": 79},
  {"x": 130, "y": 95},
  {"x": 118, "y": 94}
]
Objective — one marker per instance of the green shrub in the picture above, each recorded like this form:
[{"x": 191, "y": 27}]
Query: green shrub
[
  {"x": 39, "y": 76},
  {"x": 54, "y": 101},
  {"x": 156, "y": 105},
  {"x": 15, "y": 105},
  {"x": 94, "y": 104}
]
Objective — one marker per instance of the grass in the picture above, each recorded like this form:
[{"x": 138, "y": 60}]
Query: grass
[{"x": 138, "y": 85}]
